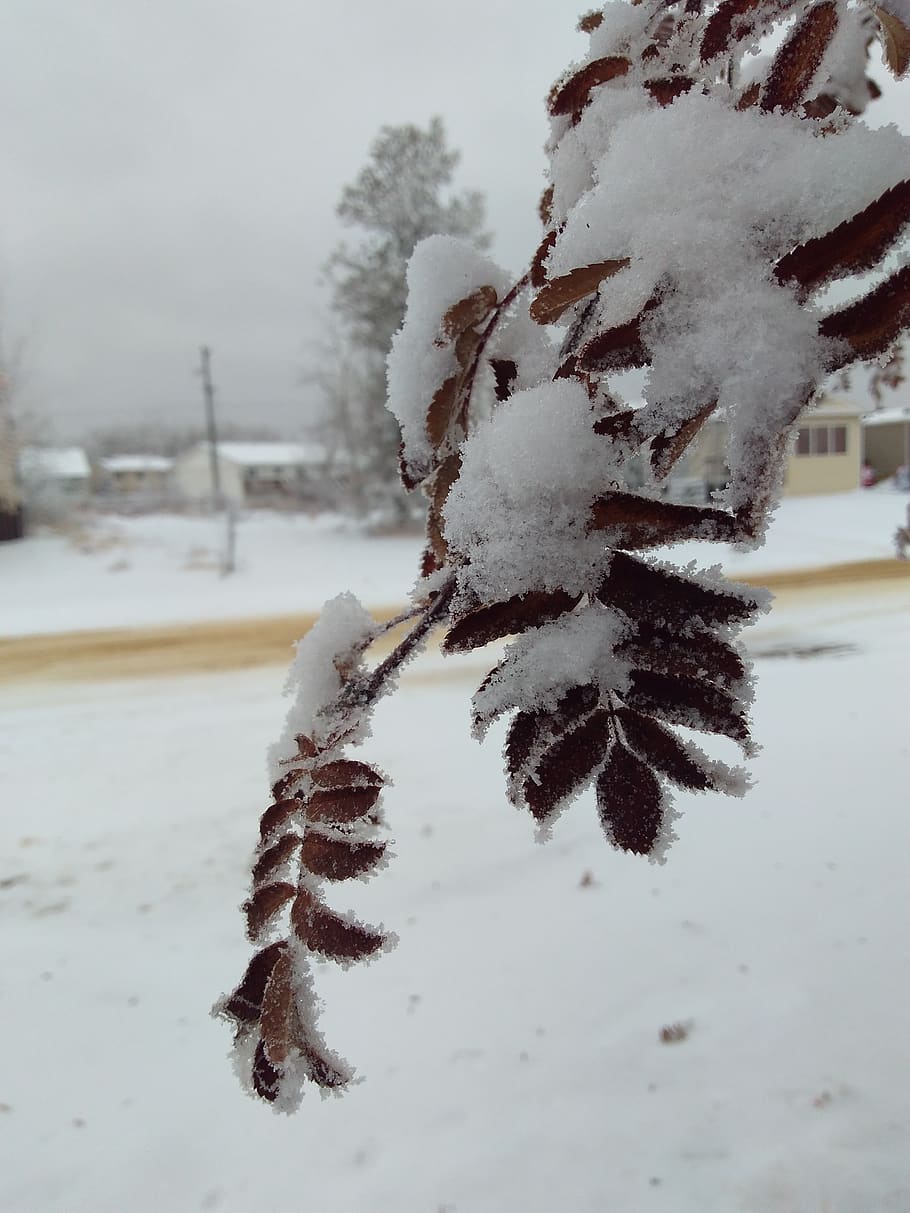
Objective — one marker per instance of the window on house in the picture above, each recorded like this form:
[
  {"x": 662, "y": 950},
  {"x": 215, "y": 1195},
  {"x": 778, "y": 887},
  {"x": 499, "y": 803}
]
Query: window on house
[{"x": 822, "y": 440}]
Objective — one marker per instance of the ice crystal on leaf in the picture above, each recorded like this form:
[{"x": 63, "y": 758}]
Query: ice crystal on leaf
[{"x": 702, "y": 199}]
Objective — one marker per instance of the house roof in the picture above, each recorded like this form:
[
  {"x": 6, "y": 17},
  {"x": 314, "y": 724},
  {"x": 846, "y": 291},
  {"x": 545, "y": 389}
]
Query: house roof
[
  {"x": 271, "y": 454},
  {"x": 136, "y": 463},
  {"x": 888, "y": 416},
  {"x": 54, "y": 463}
]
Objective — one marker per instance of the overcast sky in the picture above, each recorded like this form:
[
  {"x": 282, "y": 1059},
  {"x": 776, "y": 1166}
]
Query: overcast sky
[{"x": 172, "y": 169}]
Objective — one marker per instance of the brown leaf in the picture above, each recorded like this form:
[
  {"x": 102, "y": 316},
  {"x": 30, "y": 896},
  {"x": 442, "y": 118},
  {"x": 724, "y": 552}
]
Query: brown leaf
[
  {"x": 265, "y": 903},
  {"x": 688, "y": 702},
  {"x": 279, "y": 1014},
  {"x": 283, "y": 788},
  {"x": 466, "y": 346},
  {"x": 697, "y": 654},
  {"x": 560, "y": 293},
  {"x": 661, "y": 749},
  {"x": 306, "y": 746},
  {"x": 666, "y": 90},
  {"x": 545, "y": 207},
  {"x": 855, "y": 245},
  {"x": 245, "y": 1003},
  {"x": 438, "y": 490},
  {"x": 590, "y": 22},
  {"x": 821, "y": 107},
  {"x": 895, "y": 41},
  {"x": 727, "y": 24},
  {"x": 870, "y": 326},
  {"x": 347, "y": 773},
  {"x": 266, "y": 1079},
  {"x": 530, "y": 731},
  {"x": 329, "y": 934},
  {"x": 749, "y": 96},
  {"x": 573, "y": 95},
  {"x": 278, "y": 814},
  {"x": 538, "y": 273},
  {"x": 442, "y": 411},
  {"x": 323, "y": 1070},
  {"x": 508, "y": 618},
  {"x": 466, "y": 313},
  {"x": 618, "y": 426},
  {"x": 338, "y": 858},
  {"x": 641, "y": 522},
  {"x": 568, "y": 764},
  {"x": 630, "y": 802},
  {"x": 797, "y": 61},
  {"x": 668, "y": 447},
  {"x": 616, "y": 349},
  {"x": 342, "y": 805},
  {"x": 272, "y": 858},
  {"x": 645, "y": 591},
  {"x": 505, "y": 373}
]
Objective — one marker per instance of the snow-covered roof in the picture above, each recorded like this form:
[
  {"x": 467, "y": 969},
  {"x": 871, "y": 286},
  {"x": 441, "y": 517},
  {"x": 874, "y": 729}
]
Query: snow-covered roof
[
  {"x": 834, "y": 404},
  {"x": 271, "y": 454},
  {"x": 136, "y": 463},
  {"x": 888, "y": 416},
  {"x": 54, "y": 463}
]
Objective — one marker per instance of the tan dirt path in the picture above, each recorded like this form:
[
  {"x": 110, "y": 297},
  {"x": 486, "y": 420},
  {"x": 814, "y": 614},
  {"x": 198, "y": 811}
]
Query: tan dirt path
[{"x": 199, "y": 648}]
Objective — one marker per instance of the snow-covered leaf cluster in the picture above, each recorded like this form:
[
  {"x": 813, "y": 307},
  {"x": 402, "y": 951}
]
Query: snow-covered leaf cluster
[{"x": 710, "y": 178}]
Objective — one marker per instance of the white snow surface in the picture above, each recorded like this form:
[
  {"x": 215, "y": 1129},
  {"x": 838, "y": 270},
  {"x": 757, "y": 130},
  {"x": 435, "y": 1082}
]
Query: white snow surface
[
  {"x": 112, "y": 572},
  {"x": 511, "y": 1045}
]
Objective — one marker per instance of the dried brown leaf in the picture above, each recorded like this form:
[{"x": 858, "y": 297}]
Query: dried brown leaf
[
  {"x": 505, "y": 372},
  {"x": 442, "y": 411},
  {"x": 329, "y": 934},
  {"x": 616, "y": 349},
  {"x": 698, "y": 654},
  {"x": 245, "y": 1003},
  {"x": 895, "y": 41},
  {"x": 545, "y": 206},
  {"x": 266, "y": 1079},
  {"x": 508, "y": 618},
  {"x": 629, "y": 802},
  {"x": 567, "y": 765},
  {"x": 573, "y": 95},
  {"x": 749, "y": 96},
  {"x": 869, "y": 327},
  {"x": 645, "y": 591},
  {"x": 855, "y": 245},
  {"x": 347, "y": 773},
  {"x": 529, "y": 732},
  {"x": 265, "y": 903},
  {"x": 340, "y": 806},
  {"x": 273, "y": 857},
  {"x": 662, "y": 750},
  {"x": 666, "y": 89},
  {"x": 668, "y": 447},
  {"x": 632, "y": 521},
  {"x": 560, "y": 293},
  {"x": 279, "y": 1013},
  {"x": 466, "y": 346},
  {"x": 590, "y": 22},
  {"x": 277, "y": 815},
  {"x": 689, "y": 702},
  {"x": 466, "y": 313},
  {"x": 797, "y": 61},
  {"x": 338, "y": 858}
]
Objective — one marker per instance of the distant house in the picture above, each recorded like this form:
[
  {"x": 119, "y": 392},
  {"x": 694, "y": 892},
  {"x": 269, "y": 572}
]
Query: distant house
[
  {"x": 252, "y": 473},
  {"x": 54, "y": 479},
  {"x": 826, "y": 457},
  {"x": 134, "y": 475},
  {"x": 10, "y": 489},
  {"x": 886, "y": 440}
]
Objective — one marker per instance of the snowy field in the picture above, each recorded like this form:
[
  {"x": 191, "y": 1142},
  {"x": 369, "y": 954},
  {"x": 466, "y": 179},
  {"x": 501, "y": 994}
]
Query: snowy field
[
  {"x": 118, "y": 572},
  {"x": 511, "y": 1045}
]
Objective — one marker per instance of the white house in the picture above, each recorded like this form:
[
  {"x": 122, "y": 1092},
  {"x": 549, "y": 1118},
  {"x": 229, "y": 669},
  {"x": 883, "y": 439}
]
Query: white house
[
  {"x": 886, "y": 441},
  {"x": 54, "y": 479},
  {"x": 251, "y": 473},
  {"x": 135, "y": 475}
]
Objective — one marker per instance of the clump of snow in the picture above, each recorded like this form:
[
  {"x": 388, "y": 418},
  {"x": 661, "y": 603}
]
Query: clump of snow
[
  {"x": 330, "y": 653},
  {"x": 442, "y": 270},
  {"x": 546, "y": 662},
  {"x": 520, "y": 507}
]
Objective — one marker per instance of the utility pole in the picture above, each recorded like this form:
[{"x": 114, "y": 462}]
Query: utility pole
[
  {"x": 218, "y": 499},
  {"x": 208, "y": 392}
]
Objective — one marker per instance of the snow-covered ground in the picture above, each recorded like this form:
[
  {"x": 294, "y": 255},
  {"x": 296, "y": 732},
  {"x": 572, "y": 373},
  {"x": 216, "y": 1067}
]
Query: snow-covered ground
[
  {"x": 117, "y": 572},
  {"x": 511, "y": 1044}
]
